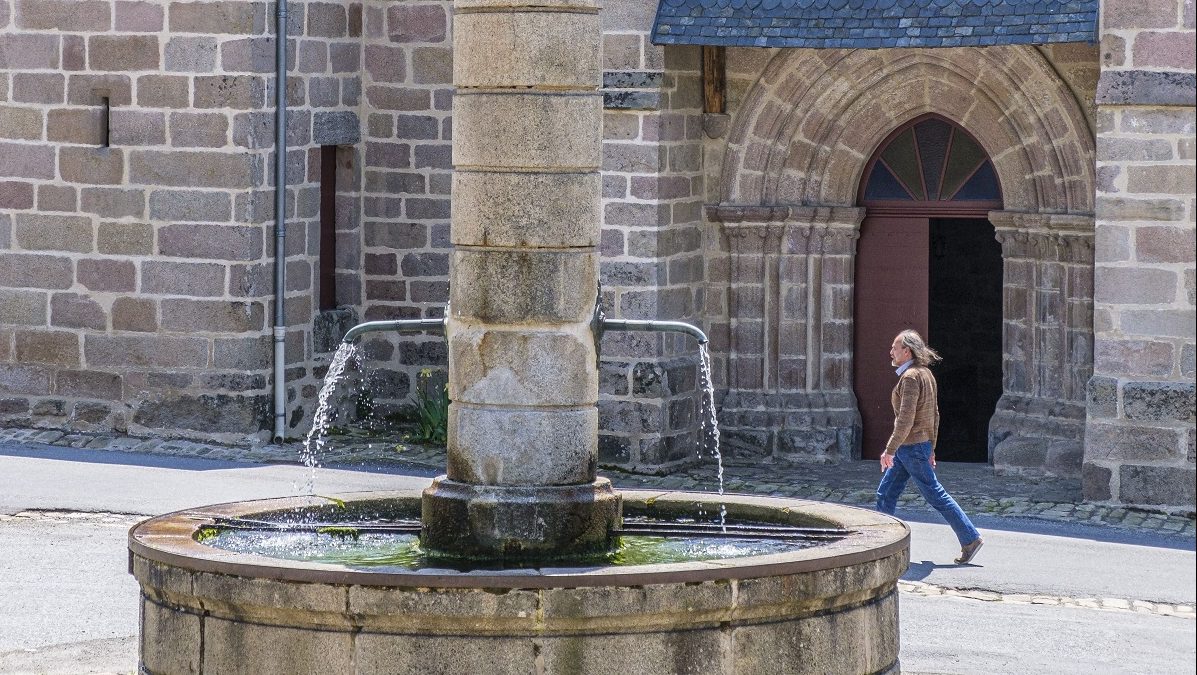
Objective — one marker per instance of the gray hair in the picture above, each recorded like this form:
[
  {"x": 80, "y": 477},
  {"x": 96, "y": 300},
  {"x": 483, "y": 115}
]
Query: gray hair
[{"x": 922, "y": 354}]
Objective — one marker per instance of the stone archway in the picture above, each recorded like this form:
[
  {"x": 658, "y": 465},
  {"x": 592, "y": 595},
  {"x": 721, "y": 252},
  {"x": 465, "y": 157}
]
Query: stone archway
[{"x": 788, "y": 219}]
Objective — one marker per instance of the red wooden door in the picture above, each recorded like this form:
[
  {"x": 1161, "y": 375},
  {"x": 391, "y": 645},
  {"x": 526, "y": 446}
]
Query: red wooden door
[{"x": 891, "y": 296}]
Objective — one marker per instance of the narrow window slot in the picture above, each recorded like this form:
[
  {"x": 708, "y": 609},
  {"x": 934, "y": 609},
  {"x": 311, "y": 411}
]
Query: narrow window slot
[
  {"x": 105, "y": 121},
  {"x": 328, "y": 227}
]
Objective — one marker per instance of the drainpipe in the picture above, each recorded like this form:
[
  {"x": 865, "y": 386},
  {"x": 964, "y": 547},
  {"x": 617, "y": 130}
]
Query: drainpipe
[{"x": 280, "y": 221}]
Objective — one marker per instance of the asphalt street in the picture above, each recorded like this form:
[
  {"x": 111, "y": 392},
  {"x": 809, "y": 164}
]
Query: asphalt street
[{"x": 68, "y": 605}]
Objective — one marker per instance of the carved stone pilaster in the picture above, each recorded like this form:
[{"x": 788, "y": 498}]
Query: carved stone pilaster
[
  {"x": 1047, "y": 340},
  {"x": 789, "y": 311}
]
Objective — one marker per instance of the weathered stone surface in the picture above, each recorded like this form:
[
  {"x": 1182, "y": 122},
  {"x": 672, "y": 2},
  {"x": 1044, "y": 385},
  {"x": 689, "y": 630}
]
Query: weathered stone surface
[
  {"x": 505, "y": 49},
  {"x": 190, "y": 206},
  {"x": 1146, "y": 87},
  {"x": 220, "y": 242},
  {"x": 58, "y": 348},
  {"x": 18, "y": 307},
  {"x": 1095, "y": 482},
  {"x": 182, "y": 278},
  {"x": 71, "y": 310},
  {"x": 523, "y": 367},
  {"x": 274, "y": 650},
  {"x": 229, "y": 414},
  {"x": 116, "y": 276},
  {"x": 36, "y": 232},
  {"x": 138, "y": 350},
  {"x": 1160, "y": 401},
  {"x": 1103, "y": 396},
  {"x": 1064, "y": 458},
  {"x": 218, "y": 316},
  {"x": 1130, "y": 443},
  {"x": 170, "y": 639},
  {"x": 35, "y": 271},
  {"x": 512, "y": 446},
  {"x": 1157, "y": 485},
  {"x": 517, "y": 287},
  {"x": 526, "y": 209},
  {"x": 194, "y": 169},
  {"x": 336, "y": 128},
  {"x": 134, "y": 314},
  {"x": 540, "y": 130},
  {"x": 125, "y": 238},
  {"x": 1020, "y": 453},
  {"x": 88, "y": 384}
]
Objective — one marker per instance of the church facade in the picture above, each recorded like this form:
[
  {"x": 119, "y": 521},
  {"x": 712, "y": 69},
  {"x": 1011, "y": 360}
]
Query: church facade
[{"x": 801, "y": 179}]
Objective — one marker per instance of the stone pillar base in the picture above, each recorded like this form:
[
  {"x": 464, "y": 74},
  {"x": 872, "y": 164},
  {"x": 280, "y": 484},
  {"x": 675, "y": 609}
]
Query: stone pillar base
[{"x": 519, "y": 522}]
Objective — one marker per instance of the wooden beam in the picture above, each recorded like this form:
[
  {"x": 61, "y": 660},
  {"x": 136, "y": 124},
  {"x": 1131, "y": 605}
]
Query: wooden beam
[{"x": 714, "y": 79}]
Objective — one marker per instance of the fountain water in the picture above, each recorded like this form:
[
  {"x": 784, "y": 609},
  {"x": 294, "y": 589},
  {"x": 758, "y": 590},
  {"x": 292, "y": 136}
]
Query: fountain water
[{"x": 521, "y": 489}]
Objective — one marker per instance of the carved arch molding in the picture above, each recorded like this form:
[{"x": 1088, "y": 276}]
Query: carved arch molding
[{"x": 791, "y": 170}]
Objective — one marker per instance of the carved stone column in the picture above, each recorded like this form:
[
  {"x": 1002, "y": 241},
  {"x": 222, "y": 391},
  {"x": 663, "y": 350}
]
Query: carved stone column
[
  {"x": 788, "y": 300},
  {"x": 1047, "y": 341}
]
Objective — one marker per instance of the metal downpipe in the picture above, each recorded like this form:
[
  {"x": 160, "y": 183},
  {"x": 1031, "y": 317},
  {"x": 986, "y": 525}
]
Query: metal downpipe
[{"x": 280, "y": 221}]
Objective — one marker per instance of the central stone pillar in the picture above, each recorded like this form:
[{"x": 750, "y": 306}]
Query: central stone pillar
[{"x": 523, "y": 370}]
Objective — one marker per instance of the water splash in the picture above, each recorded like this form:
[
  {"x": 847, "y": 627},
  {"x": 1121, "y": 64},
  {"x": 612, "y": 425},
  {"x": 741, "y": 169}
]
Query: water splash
[
  {"x": 317, "y": 438},
  {"x": 710, "y": 422}
]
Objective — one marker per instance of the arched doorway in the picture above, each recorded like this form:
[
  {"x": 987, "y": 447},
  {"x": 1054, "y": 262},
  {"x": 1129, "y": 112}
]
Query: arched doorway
[{"x": 928, "y": 259}]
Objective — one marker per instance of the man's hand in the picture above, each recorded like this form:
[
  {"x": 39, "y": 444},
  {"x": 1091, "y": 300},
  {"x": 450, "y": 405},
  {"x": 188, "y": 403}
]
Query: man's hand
[
  {"x": 932, "y": 459},
  {"x": 887, "y": 461}
]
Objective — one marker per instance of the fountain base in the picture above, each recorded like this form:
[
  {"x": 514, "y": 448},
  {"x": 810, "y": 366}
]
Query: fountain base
[
  {"x": 516, "y": 522},
  {"x": 826, "y": 609}
]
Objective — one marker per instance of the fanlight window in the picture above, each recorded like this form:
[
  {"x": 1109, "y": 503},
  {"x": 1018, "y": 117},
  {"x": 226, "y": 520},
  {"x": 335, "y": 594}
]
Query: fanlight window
[{"x": 932, "y": 160}]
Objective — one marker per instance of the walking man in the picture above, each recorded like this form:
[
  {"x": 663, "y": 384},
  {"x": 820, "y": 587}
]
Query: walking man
[{"x": 910, "y": 452}]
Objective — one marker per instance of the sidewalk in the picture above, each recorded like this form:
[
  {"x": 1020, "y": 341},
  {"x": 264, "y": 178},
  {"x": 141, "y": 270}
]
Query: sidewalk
[{"x": 975, "y": 486}]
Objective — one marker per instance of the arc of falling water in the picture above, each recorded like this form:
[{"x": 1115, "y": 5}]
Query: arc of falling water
[{"x": 314, "y": 442}]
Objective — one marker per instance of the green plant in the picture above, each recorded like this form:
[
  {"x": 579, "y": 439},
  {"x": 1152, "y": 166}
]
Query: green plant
[{"x": 432, "y": 411}]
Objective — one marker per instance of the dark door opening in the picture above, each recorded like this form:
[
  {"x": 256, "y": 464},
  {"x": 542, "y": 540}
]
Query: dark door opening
[
  {"x": 964, "y": 298},
  {"x": 927, "y": 259}
]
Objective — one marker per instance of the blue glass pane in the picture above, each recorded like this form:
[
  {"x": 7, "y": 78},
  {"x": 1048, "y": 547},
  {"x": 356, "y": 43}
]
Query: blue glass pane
[
  {"x": 982, "y": 186},
  {"x": 883, "y": 185}
]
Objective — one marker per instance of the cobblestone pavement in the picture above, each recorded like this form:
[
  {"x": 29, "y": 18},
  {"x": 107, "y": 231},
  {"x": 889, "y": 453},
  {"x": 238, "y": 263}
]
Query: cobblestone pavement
[{"x": 975, "y": 486}]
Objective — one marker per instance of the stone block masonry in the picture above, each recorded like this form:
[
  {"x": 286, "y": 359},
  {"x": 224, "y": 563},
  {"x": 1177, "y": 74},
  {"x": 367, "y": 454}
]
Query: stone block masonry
[
  {"x": 1139, "y": 435},
  {"x": 406, "y": 176},
  {"x": 136, "y": 209},
  {"x": 652, "y": 248}
]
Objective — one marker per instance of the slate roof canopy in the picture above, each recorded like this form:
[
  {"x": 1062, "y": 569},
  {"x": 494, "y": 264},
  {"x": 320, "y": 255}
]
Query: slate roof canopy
[{"x": 868, "y": 24}]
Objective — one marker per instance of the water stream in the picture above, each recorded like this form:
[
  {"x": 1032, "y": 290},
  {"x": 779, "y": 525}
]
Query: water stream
[
  {"x": 313, "y": 444},
  {"x": 710, "y": 421}
]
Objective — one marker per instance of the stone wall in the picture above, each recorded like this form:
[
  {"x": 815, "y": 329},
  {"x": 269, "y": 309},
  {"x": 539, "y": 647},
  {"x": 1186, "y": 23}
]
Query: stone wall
[
  {"x": 407, "y": 171},
  {"x": 651, "y": 244},
  {"x": 136, "y": 208},
  {"x": 1139, "y": 435}
]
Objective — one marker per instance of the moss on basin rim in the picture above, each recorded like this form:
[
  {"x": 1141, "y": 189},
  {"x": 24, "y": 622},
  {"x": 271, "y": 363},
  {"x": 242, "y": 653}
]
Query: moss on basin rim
[{"x": 826, "y": 609}]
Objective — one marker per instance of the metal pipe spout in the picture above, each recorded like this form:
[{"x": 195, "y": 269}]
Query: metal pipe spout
[
  {"x": 398, "y": 326},
  {"x": 654, "y": 327}
]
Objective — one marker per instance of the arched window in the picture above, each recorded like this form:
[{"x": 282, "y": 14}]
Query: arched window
[{"x": 931, "y": 160}]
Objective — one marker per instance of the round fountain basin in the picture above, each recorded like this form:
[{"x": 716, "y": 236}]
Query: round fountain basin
[{"x": 816, "y": 609}]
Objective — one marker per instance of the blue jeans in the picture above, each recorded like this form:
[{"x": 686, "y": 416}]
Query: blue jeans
[{"x": 914, "y": 461}]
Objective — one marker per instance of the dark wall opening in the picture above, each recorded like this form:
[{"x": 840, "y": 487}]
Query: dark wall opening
[{"x": 965, "y": 326}]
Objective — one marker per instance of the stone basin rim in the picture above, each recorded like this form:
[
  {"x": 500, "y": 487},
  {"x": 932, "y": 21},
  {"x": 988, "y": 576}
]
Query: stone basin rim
[{"x": 169, "y": 539}]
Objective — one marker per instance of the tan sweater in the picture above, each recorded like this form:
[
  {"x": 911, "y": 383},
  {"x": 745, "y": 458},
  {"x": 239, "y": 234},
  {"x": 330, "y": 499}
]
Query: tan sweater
[{"x": 916, "y": 409}]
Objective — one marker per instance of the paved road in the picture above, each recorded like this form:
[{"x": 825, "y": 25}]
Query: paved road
[{"x": 67, "y": 604}]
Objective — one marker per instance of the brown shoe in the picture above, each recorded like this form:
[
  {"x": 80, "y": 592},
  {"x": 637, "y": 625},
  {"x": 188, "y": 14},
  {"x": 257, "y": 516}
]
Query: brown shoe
[{"x": 969, "y": 552}]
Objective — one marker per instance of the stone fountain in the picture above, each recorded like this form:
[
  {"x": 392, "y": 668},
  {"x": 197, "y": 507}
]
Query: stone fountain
[{"x": 521, "y": 489}]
